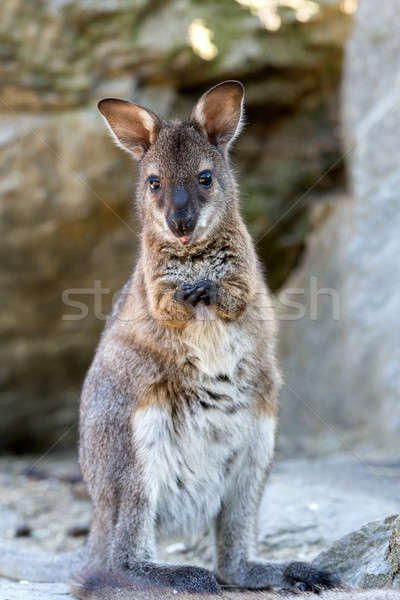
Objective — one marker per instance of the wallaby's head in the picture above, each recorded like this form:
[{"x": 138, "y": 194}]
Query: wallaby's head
[{"x": 186, "y": 188}]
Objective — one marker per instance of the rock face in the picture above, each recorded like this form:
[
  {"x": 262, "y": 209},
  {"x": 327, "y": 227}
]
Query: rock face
[
  {"x": 367, "y": 558},
  {"x": 343, "y": 371},
  {"x": 65, "y": 189}
]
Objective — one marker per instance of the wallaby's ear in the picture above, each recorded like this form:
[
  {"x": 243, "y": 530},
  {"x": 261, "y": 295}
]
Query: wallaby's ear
[
  {"x": 134, "y": 128},
  {"x": 218, "y": 113}
]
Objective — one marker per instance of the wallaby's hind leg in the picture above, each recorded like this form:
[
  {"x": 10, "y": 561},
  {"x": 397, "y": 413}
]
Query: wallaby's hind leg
[
  {"x": 133, "y": 548},
  {"x": 100, "y": 536},
  {"x": 122, "y": 537},
  {"x": 236, "y": 528},
  {"x": 133, "y": 538}
]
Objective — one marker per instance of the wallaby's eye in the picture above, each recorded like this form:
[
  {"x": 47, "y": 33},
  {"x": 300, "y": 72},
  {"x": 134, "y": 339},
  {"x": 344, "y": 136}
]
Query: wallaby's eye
[
  {"x": 205, "y": 178},
  {"x": 154, "y": 183}
]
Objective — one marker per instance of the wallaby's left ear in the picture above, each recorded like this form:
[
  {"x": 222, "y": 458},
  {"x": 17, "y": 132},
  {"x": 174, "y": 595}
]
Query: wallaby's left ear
[
  {"x": 218, "y": 113},
  {"x": 133, "y": 127}
]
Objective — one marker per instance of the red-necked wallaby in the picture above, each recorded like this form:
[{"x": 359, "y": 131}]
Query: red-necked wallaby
[{"x": 179, "y": 408}]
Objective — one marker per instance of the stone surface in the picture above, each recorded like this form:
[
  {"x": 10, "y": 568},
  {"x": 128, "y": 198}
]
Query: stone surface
[
  {"x": 12, "y": 590},
  {"x": 343, "y": 376},
  {"x": 366, "y": 557},
  {"x": 65, "y": 189}
]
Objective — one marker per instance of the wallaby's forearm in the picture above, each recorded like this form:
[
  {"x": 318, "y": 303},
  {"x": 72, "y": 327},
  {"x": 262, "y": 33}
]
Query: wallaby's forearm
[
  {"x": 233, "y": 297},
  {"x": 165, "y": 308}
]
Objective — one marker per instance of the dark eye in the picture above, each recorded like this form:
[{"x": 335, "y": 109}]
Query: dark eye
[
  {"x": 154, "y": 183},
  {"x": 205, "y": 178}
]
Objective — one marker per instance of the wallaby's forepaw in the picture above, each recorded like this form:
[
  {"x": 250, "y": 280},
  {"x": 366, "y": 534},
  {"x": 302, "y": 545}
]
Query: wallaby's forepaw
[
  {"x": 307, "y": 578},
  {"x": 192, "y": 293}
]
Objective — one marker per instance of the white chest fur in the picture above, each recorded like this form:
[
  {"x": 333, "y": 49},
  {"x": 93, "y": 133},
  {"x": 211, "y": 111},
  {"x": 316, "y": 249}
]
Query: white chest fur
[{"x": 216, "y": 345}]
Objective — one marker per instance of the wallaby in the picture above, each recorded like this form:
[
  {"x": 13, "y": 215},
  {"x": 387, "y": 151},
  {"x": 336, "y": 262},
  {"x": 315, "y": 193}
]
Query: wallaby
[{"x": 179, "y": 408}]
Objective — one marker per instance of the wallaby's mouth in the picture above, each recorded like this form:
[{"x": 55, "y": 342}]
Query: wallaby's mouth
[{"x": 182, "y": 226}]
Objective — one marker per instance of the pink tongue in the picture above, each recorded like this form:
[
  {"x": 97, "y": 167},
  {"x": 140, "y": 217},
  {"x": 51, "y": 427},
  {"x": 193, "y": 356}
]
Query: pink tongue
[{"x": 184, "y": 239}]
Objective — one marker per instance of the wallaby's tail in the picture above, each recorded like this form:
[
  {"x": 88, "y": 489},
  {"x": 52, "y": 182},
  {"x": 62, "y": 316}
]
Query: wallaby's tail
[{"x": 59, "y": 568}]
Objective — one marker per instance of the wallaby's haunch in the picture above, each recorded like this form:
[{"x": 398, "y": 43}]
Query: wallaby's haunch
[{"x": 179, "y": 408}]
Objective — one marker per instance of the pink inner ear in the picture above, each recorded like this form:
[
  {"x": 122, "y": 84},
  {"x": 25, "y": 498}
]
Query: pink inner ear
[
  {"x": 135, "y": 132},
  {"x": 218, "y": 112},
  {"x": 221, "y": 121},
  {"x": 134, "y": 127}
]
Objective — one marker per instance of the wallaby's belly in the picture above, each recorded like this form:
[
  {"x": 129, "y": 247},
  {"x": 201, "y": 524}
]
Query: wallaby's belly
[
  {"x": 189, "y": 460},
  {"x": 191, "y": 453}
]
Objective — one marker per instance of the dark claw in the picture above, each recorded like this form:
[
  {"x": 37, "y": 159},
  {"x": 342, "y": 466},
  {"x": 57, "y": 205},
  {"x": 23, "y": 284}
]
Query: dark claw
[
  {"x": 183, "y": 292},
  {"x": 313, "y": 579},
  {"x": 209, "y": 295},
  {"x": 195, "y": 297},
  {"x": 301, "y": 586}
]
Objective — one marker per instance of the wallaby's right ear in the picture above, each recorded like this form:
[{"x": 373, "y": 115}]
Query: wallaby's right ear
[
  {"x": 134, "y": 128},
  {"x": 218, "y": 113}
]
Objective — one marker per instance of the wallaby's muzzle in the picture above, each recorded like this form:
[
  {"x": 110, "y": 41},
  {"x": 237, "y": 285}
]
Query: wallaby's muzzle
[{"x": 182, "y": 216}]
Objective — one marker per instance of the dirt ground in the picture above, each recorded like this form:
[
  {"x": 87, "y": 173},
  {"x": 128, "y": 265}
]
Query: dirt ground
[{"x": 44, "y": 506}]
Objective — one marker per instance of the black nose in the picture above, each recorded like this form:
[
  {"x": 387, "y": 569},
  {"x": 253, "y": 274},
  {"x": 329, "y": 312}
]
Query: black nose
[
  {"x": 180, "y": 197},
  {"x": 182, "y": 221}
]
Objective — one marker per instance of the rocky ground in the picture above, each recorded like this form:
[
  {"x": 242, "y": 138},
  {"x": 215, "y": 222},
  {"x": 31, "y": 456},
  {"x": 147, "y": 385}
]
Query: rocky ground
[{"x": 307, "y": 506}]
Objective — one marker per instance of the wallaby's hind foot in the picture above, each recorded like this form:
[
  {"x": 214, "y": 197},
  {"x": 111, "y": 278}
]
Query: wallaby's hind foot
[
  {"x": 307, "y": 578},
  {"x": 297, "y": 576},
  {"x": 185, "y": 578},
  {"x": 148, "y": 580}
]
